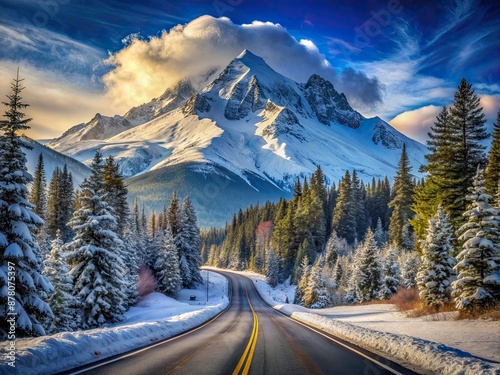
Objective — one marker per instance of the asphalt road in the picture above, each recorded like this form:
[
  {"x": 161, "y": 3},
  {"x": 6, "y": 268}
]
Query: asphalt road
[{"x": 248, "y": 338}]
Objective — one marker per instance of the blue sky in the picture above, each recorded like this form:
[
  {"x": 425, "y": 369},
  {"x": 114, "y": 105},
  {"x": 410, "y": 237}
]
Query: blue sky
[{"x": 400, "y": 60}]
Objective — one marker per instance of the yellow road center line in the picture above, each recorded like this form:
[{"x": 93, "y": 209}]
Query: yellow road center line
[{"x": 252, "y": 342}]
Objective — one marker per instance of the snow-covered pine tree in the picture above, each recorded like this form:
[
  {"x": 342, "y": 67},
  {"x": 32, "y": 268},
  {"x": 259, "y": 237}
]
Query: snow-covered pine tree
[
  {"x": 94, "y": 255},
  {"x": 17, "y": 222},
  {"x": 478, "y": 268},
  {"x": 272, "y": 269},
  {"x": 409, "y": 263},
  {"x": 436, "y": 269},
  {"x": 64, "y": 305},
  {"x": 317, "y": 294},
  {"x": 331, "y": 254},
  {"x": 391, "y": 275},
  {"x": 189, "y": 243},
  {"x": 167, "y": 269},
  {"x": 380, "y": 234},
  {"x": 303, "y": 278},
  {"x": 367, "y": 273}
]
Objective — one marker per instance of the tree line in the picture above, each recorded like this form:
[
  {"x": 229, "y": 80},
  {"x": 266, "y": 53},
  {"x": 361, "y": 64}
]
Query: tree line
[
  {"x": 79, "y": 256},
  {"x": 353, "y": 242}
]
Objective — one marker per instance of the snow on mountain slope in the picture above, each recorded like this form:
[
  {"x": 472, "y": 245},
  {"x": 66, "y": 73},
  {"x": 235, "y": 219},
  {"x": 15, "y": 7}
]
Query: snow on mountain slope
[
  {"x": 53, "y": 159},
  {"x": 99, "y": 128},
  {"x": 251, "y": 121}
]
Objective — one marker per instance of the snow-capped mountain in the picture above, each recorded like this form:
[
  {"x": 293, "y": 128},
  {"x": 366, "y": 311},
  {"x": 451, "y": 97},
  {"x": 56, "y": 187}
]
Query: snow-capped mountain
[
  {"x": 250, "y": 124},
  {"x": 53, "y": 159}
]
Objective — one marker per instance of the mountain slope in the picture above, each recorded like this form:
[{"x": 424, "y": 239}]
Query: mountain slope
[
  {"x": 251, "y": 125},
  {"x": 53, "y": 159}
]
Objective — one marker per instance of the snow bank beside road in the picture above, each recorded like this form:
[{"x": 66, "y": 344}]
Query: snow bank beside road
[
  {"x": 429, "y": 356},
  {"x": 367, "y": 326},
  {"x": 156, "y": 318}
]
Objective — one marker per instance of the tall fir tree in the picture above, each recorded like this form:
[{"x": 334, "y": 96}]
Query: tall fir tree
[
  {"x": 434, "y": 191},
  {"x": 468, "y": 126},
  {"x": 116, "y": 193},
  {"x": 60, "y": 204},
  {"x": 436, "y": 269},
  {"x": 18, "y": 251},
  {"x": 166, "y": 266},
  {"x": 67, "y": 203},
  {"x": 478, "y": 268},
  {"x": 492, "y": 172},
  {"x": 53, "y": 203},
  {"x": 64, "y": 305},
  {"x": 38, "y": 193},
  {"x": 95, "y": 255},
  {"x": 391, "y": 275},
  {"x": 344, "y": 216},
  {"x": 189, "y": 244},
  {"x": 410, "y": 263},
  {"x": 402, "y": 201},
  {"x": 272, "y": 269},
  {"x": 366, "y": 279}
]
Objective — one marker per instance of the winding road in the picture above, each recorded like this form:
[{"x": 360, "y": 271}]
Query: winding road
[{"x": 249, "y": 337}]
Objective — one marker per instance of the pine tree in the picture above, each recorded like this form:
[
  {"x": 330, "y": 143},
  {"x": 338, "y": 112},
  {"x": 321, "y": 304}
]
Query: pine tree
[
  {"x": 189, "y": 244},
  {"x": 303, "y": 277},
  {"x": 478, "y": 268},
  {"x": 67, "y": 203},
  {"x": 366, "y": 279},
  {"x": 468, "y": 128},
  {"x": 492, "y": 172},
  {"x": 60, "y": 204},
  {"x": 344, "y": 219},
  {"x": 436, "y": 270},
  {"x": 95, "y": 255},
  {"x": 317, "y": 294},
  {"x": 53, "y": 203},
  {"x": 38, "y": 193},
  {"x": 272, "y": 269},
  {"x": 402, "y": 201},
  {"x": 426, "y": 200},
  {"x": 116, "y": 193},
  {"x": 17, "y": 222},
  {"x": 63, "y": 304},
  {"x": 391, "y": 274},
  {"x": 409, "y": 262},
  {"x": 166, "y": 267},
  {"x": 38, "y": 198},
  {"x": 379, "y": 234}
]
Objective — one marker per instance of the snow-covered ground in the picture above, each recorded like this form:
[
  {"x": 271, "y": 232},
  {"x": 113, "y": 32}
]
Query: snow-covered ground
[
  {"x": 436, "y": 344},
  {"x": 155, "y": 318}
]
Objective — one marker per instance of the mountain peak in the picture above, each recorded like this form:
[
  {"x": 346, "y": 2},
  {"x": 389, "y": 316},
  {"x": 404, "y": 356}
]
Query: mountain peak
[{"x": 250, "y": 59}]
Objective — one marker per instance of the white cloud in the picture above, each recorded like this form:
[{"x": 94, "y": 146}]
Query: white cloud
[
  {"x": 145, "y": 68},
  {"x": 416, "y": 123},
  {"x": 55, "y": 103}
]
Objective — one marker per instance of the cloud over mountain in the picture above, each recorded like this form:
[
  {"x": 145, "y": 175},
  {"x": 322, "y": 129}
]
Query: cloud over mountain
[{"x": 145, "y": 67}]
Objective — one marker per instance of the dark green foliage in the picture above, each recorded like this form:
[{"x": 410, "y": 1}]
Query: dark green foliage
[
  {"x": 116, "y": 193},
  {"x": 344, "y": 217},
  {"x": 492, "y": 172},
  {"x": 401, "y": 203},
  {"x": 38, "y": 193},
  {"x": 60, "y": 204}
]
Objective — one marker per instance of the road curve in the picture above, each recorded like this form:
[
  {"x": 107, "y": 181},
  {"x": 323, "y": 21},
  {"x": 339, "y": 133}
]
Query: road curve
[{"x": 248, "y": 338}]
